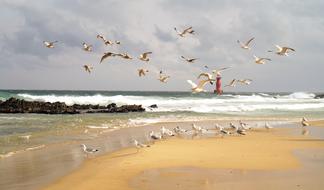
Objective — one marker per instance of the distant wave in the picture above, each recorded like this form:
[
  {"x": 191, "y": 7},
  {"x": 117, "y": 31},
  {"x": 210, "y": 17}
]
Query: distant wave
[{"x": 202, "y": 104}]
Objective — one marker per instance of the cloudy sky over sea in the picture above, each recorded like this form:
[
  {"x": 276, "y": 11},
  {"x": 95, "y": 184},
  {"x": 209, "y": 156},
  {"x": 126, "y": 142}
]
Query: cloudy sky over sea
[{"x": 146, "y": 25}]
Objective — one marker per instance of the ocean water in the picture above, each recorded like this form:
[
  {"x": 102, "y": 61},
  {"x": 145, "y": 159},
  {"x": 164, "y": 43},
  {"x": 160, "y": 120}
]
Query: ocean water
[{"x": 28, "y": 131}]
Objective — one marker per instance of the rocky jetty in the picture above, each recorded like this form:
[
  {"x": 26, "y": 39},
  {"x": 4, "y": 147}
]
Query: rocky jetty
[{"x": 14, "y": 105}]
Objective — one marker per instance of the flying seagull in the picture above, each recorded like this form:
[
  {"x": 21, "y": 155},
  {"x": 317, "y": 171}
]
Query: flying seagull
[
  {"x": 189, "y": 60},
  {"x": 107, "y": 42},
  {"x": 49, "y": 44},
  {"x": 142, "y": 72},
  {"x": 163, "y": 78},
  {"x": 260, "y": 60},
  {"x": 144, "y": 56},
  {"x": 245, "y": 81},
  {"x": 106, "y": 55},
  {"x": 232, "y": 83},
  {"x": 188, "y": 30},
  {"x": 87, "y": 68},
  {"x": 245, "y": 45},
  {"x": 282, "y": 50},
  {"x": 155, "y": 136},
  {"x": 87, "y": 47}
]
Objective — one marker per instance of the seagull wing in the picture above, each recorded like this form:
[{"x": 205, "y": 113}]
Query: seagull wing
[
  {"x": 285, "y": 49},
  {"x": 144, "y": 55},
  {"x": 106, "y": 55},
  {"x": 187, "y": 30},
  {"x": 209, "y": 76},
  {"x": 202, "y": 83},
  {"x": 193, "y": 85},
  {"x": 248, "y": 42}
]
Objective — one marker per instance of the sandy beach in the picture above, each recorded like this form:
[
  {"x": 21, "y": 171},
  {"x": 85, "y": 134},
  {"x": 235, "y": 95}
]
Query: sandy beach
[{"x": 207, "y": 163}]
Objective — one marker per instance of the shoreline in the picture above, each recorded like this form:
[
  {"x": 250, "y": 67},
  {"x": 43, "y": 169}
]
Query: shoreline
[{"x": 136, "y": 163}]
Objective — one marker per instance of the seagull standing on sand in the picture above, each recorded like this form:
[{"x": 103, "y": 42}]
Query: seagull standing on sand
[
  {"x": 244, "y": 125},
  {"x": 87, "y": 47},
  {"x": 267, "y": 126},
  {"x": 260, "y": 60},
  {"x": 155, "y": 136},
  {"x": 49, "y": 44},
  {"x": 139, "y": 145},
  {"x": 142, "y": 72},
  {"x": 241, "y": 131},
  {"x": 200, "y": 87},
  {"x": 178, "y": 130},
  {"x": 304, "y": 123},
  {"x": 87, "y": 68},
  {"x": 144, "y": 56},
  {"x": 282, "y": 50},
  {"x": 88, "y": 150},
  {"x": 233, "y": 126},
  {"x": 189, "y": 60},
  {"x": 165, "y": 131},
  {"x": 188, "y": 30},
  {"x": 245, "y": 45}
]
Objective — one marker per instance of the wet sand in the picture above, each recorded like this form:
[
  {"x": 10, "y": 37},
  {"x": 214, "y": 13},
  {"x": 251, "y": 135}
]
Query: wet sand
[{"x": 207, "y": 163}]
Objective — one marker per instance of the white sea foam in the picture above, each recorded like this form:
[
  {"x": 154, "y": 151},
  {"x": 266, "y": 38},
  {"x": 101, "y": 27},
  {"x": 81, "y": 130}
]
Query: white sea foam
[{"x": 202, "y": 104}]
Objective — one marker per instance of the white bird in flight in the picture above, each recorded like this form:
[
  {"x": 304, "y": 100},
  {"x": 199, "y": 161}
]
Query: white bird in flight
[
  {"x": 208, "y": 76},
  {"x": 188, "y": 30},
  {"x": 144, "y": 56},
  {"x": 49, "y": 44},
  {"x": 245, "y": 45},
  {"x": 198, "y": 88},
  {"x": 260, "y": 60},
  {"x": 124, "y": 55},
  {"x": 282, "y": 50}
]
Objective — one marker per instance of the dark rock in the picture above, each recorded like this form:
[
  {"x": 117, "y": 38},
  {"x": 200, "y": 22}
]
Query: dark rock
[
  {"x": 319, "y": 96},
  {"x": 14, "y": 105},
  {"x": 153, "y": 106}
]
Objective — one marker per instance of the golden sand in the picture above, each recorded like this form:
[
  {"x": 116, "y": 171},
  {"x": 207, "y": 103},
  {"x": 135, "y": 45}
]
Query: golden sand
[
  {"x": 259, "y": 150},
  {"x": 318, "y": 123}
]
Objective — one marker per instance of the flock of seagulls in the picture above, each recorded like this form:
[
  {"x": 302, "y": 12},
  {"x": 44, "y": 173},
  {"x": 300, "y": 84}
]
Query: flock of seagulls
[
  {"x": 241, "y": 130},
  {"x": 203, "y": 78}
]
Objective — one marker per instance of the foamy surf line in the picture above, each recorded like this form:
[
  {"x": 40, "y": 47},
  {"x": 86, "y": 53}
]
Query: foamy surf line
[
  {"x": 298, "y": 101},
  {"x": 9, "y": 154}
]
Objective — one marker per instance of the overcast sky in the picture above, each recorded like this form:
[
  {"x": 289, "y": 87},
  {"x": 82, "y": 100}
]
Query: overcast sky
[{"x": 147, "y": 25}]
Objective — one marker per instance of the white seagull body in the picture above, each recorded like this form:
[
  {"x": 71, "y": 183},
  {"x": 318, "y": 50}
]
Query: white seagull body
[{"x": 88, "y": 150}]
